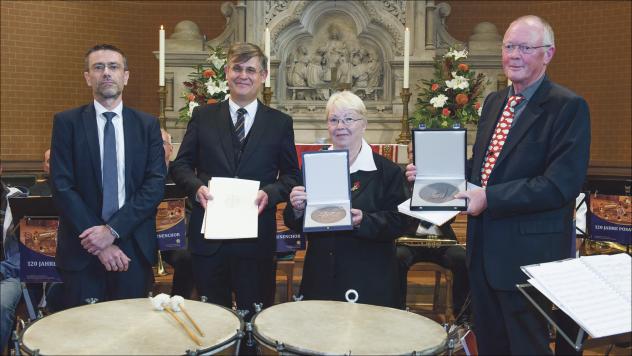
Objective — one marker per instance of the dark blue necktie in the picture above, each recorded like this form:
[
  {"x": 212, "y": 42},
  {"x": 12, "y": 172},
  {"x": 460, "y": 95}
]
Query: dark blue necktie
[
  {"x": 240, "y": 128},
  {"x": 110, "y": 174}
]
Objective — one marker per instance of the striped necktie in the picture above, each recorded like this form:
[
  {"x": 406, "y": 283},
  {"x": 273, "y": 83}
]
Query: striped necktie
[{"x": 240, "y": 129}]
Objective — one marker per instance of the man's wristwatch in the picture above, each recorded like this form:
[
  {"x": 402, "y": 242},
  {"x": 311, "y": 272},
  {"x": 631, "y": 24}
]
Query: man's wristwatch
[{"x": 112, "y": 231}]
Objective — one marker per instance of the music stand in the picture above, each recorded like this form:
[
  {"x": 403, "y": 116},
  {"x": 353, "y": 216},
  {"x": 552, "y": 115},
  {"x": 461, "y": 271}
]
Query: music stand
[
  {"x": 580, "y": 342},
  {"x": 174, "y": 191}
]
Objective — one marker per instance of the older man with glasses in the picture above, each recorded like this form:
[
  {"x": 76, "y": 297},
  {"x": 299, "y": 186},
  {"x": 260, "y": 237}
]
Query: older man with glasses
[{"x": 530, "y": 158}]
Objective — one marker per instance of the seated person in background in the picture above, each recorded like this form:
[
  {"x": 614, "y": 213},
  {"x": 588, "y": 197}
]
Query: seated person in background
[
  {"x": 364, "y": 258},
  {"x": 451, "y": 257},
  {"x": 41, "y": 187},
  {"x": 180, "y": 260},
  {"x": 10, "y": 288}
]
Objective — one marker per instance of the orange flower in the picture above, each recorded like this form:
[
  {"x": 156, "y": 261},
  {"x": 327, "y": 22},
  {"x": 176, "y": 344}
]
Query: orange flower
[
  {"x": 461, "y": 99},
  {"x": 434, "y": 87},
  {"x": 445, "y": 112},
  {"x": 208, "y": 73},
  {"x": 191, "y": 97},
  {"x": 477, "y": 105},
  {"x": 211, "y": 101},
  {"x": 464, "y": 67}
]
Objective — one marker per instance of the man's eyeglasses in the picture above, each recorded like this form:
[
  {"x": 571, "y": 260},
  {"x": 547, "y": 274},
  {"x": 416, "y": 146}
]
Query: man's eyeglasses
[
  {"x": 347, "y": 121},
  {"x": 248, "y": 70},
  {"x": 524, "y": 49}
]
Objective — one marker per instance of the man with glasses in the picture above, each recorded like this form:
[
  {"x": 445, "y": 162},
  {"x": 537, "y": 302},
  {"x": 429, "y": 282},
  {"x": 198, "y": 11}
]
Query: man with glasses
[
  {"x": 530, "y": 156},
  {"x": 524, "y": 213},
  {"x": 239, "y": 138},
  {"x": 107, "y": 174}
]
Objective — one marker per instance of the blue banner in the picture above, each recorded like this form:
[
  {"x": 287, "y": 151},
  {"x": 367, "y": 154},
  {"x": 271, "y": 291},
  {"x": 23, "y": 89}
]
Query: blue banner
[
  {"x": 289, "y": 241},
  {"x": 171, "y": 225},
  {"x": 610, "y": 218},
  {"x": 38, "y": 246}
]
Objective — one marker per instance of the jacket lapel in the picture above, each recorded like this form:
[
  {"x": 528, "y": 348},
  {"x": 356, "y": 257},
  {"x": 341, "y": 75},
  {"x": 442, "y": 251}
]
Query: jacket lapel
[
  {"x": 256, "y": 132},
  {"x": 88, "y": 118},
  {"x": 529, "y": 116},
  {"x": 129, "y": 128},
  {"x": 225, "y": 135}
]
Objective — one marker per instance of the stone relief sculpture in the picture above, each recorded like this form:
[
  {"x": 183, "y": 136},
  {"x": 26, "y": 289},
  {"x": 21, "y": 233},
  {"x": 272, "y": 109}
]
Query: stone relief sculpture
[{"x": 318, "y": 67}]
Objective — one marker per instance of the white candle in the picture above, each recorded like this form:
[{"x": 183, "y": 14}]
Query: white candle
[
  {"x": 267, "y": 53},
  {"x": 161, "y": 57},
  {"x": 406, "y": 60}
]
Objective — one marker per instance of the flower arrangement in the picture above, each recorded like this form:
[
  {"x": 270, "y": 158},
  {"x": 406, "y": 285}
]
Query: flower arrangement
[
  {"x": 450, "y": 97},
  {"x": 207, "y": 84}
]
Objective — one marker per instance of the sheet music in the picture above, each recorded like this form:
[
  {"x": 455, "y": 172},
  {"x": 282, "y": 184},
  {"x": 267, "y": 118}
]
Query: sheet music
[
  {"x": 592, "y": 290},
  {"x": 232, "y": 213}
]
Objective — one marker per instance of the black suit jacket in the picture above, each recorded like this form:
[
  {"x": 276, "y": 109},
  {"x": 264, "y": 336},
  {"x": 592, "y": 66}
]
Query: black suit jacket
[
  {"x": 268, "y": 156},
  {"x": 76, "y": 183},
  {"x": 532, "y": 189}
]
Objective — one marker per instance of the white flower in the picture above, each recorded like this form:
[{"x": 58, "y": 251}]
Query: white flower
[
  {"x": 480, "y": 110},
  {"x": 458, "y": 82},
  {"x": 438, "y": 101},
  {"x": 215, "y": 88},
  {"x": 192, "y": 105},
  {"x": 456, "y": 54},
  {"x": 216, "y": 61}
]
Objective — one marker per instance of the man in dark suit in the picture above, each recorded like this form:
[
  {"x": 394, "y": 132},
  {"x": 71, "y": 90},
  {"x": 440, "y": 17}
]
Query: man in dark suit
[
  {"x": 107, "y": 176},
  {"x": 524, "y": 214},
  {"x": 530, "y": 156},
  {"x": 240, "y": 138}
]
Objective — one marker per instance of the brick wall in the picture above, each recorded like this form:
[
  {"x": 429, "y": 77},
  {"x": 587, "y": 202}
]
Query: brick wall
[
  {"x": 593, "y": 59},
  {"x": 43, "y": 44}
]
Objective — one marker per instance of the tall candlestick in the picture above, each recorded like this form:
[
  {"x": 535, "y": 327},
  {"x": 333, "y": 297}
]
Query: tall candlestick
[
  {"x": 161, "y": 57},
  {"x": 406, "y": 60},
  {"x": 267, "y": 53}
]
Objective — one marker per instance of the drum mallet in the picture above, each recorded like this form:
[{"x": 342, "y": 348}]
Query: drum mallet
[
  {"x": 177, "y": 304},
  {"x": 161, "y": 302}
]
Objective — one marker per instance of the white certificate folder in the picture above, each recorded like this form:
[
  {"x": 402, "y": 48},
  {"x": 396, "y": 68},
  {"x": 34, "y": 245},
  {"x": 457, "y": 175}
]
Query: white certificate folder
[
  {"x": 326, "y": 177},
  {"x": 439, "y": 156},
  {"x": 232, "y": 213}
]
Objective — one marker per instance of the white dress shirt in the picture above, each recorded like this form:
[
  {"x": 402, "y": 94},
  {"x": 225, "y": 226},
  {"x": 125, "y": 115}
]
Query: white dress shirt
[
  {"x": 117, "y": 121},
  {"x": 249, "y": 118}
]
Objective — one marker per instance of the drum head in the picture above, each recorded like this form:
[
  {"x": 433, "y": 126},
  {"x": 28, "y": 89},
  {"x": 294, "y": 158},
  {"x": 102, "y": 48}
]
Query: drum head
[
  {"x": 130, "y": 327},
  {"x": 326, "y": 327}
]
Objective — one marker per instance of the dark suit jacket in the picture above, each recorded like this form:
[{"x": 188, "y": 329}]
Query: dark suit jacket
[
  {"x": 268, "y": 156},
  {"x": 532, "y": 189},
  {"x": 77, "y": 184}
]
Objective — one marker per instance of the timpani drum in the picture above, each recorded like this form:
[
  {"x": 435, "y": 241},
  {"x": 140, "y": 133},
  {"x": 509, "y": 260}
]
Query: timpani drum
[
  {"x": 132, "y": 327},
  {"x": 316, "y": 327}
]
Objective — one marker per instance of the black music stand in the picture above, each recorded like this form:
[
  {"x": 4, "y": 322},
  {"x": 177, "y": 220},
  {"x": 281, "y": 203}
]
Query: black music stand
[
  {"x": 174, "y": 191},
  {"x": 580, "y": 341}
]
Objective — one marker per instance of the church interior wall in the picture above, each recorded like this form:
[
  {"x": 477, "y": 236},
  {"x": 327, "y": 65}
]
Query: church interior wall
[
  {"x": 593, "y": 58},
  {"x": 43, "y": 44}
]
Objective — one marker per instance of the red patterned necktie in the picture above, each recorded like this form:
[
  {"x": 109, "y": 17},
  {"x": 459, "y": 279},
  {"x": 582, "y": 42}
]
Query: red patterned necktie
[{"x": 499, "y": 137}]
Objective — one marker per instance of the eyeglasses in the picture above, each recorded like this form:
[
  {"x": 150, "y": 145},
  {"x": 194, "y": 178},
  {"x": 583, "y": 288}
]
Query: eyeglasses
[
  {"x": 347, "y": 121},
  {"x": 524, "y": 49},
  {"x": 248, "y": 70}
]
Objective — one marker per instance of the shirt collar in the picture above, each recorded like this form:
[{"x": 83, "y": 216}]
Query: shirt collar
[
  {"x": 250, "y": 108},
  {"x": 364, "y": 161},
  {"x": 100, "y": 109},
  {"x": 529, "y": 91}
]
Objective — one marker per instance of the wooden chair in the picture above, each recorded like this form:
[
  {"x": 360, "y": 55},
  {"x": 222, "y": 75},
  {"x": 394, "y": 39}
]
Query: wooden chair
[
  {"x": 439, "y": 307},
  {"x": 286, "y": 267}
]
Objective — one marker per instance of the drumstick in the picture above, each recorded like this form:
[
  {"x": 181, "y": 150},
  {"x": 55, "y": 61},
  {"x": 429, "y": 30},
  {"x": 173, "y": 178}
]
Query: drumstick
[
  {"x": 195, "y": 325},
  {"x": 191, "y": 335}
]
